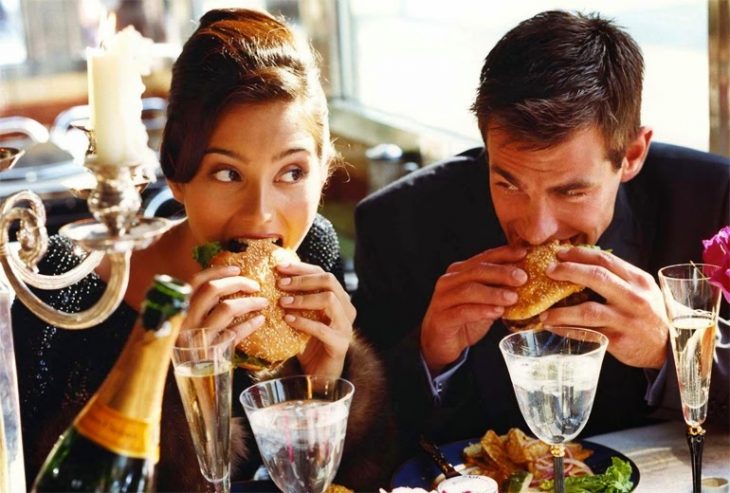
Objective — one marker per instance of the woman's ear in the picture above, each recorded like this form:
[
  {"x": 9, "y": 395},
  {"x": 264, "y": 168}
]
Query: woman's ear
[
  {"x": 636, "y": 154},
  {"x": 177, "y": 189}
]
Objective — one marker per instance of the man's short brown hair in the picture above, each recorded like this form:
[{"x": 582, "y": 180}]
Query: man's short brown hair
[{"x": 559, "y": 72}]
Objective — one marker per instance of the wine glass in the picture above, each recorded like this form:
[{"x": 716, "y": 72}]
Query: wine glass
[
  {"x": 203, "y": 372},
  {"x": 555, "y": 373},
  {"x": 299, "y": 423},
  {"x": 692, "y": 303}
]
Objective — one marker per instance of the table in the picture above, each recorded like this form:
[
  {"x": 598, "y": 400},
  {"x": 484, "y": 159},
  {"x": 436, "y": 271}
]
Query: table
[{"x": 662, "y": 455}]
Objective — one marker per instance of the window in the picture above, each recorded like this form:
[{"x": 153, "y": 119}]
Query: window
[{"x": 420, "y": 59}]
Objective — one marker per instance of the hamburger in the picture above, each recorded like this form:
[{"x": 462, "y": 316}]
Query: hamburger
[
  {"x": 541, "y": 292},
  {"x": 275, "y": 341}
]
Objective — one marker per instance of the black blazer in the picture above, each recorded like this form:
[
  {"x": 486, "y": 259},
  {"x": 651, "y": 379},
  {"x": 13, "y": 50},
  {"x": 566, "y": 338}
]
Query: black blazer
[{"x": 411, "y": 231}]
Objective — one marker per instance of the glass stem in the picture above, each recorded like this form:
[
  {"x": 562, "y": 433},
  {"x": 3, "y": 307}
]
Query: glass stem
[
  {"x": 558, "y": 451},
  {"x": 223, "y": 486},
  {"x": 696, "y": 441}
]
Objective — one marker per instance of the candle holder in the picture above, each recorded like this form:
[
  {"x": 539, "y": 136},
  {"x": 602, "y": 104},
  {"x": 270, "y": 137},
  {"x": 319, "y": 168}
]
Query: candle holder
[{"x": 115, "y": 231}]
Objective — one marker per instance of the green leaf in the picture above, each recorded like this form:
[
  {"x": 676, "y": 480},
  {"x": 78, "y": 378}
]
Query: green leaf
[
  {"x": 616, "y": 479},
  {"x": 203, "y": 254}
]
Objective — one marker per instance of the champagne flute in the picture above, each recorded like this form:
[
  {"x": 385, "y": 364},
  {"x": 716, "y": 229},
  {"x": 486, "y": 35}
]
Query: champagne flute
[
  {"x": 692, "y": 303},
  {"x": 555, "y": 373},
  {"x": 203, "y": 372},
  {"x": 299, "y": 423}
]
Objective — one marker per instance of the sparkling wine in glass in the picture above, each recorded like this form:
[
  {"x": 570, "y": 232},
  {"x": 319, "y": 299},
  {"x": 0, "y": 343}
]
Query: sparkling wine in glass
[
  {"x": 555, "y": 373},
  {"x": 203, "y": 371},
  {"x": 299, "y": 423},
  {"x": 693, "y": 304}
]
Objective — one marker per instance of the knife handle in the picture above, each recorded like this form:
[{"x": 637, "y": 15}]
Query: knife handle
[{"x": 438, "y": 457}]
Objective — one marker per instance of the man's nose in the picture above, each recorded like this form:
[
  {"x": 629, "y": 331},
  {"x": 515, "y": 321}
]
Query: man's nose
[{"x": 540, "y": 225}]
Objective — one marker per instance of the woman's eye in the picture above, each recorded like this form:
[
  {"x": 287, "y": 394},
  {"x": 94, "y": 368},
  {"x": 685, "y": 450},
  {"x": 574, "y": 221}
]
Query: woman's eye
[
  {"x": 226, "y": 175},
  {"x": 292, "y": 175}
]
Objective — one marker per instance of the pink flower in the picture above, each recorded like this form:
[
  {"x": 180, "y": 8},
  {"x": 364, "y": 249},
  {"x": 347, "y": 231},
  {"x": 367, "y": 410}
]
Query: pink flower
[{"x": 717, "y": 252}]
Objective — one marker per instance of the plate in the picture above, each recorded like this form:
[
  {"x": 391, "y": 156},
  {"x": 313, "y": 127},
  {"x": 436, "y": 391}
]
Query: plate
[{"x": 420, "y": 471}]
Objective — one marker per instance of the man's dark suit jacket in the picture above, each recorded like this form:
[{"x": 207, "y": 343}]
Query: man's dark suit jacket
[{"x": 411, "y": 231}]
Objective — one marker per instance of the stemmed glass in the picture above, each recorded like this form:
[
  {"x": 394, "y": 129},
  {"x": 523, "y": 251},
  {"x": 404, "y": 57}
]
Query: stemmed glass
[
  {"x": 203, "y": 372},
  {"x": 555, "y": 373},
  {"x": 299, "y": 423},
  {"x": 692, "y": 303}
]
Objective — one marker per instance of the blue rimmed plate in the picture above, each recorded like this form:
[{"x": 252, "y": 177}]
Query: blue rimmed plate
[{"x": 420, "y": 472}]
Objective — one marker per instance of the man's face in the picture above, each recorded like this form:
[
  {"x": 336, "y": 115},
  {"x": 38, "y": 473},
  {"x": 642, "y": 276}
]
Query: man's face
[{"x": 566, "y": 192}]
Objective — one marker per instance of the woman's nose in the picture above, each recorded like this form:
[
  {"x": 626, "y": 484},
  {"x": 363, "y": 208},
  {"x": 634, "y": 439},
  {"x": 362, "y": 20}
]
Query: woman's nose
[{"x": 256, "y": 205}]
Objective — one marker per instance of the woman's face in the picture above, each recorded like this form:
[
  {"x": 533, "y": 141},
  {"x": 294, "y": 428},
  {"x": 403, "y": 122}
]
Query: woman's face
[{"x": 260, "y": 177}]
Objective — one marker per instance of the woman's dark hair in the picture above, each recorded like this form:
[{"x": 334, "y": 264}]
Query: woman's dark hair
[
  {"x": 559, "y": 72},
  {"x": 237, "y": 56}
]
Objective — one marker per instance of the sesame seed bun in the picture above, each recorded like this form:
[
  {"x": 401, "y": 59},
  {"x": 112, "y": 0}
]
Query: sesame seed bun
[
  {"x": 539, "y": 292},
  {"x": 275, "y": 341}
]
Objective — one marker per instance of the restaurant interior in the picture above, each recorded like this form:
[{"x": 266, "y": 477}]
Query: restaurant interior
[{"x": 399, "y": 76}]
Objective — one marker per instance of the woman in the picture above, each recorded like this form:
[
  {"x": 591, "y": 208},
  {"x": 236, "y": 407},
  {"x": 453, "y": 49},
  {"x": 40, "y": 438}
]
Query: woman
[{"x": 246, "y": 150}]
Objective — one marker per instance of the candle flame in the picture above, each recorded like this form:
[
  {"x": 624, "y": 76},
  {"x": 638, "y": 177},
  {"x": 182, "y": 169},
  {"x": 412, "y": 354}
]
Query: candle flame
[{"x": 107, "y": 28}]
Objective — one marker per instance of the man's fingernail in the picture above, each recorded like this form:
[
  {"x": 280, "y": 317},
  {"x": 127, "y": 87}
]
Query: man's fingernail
[
  {"x": 287, "y": 300},
  {"x": 519, "y": 275},
  {"x": 563, "y": 250},
  {"x": 543, "y": 316},
  {"x": 258, "y": 320},
  {"x": 232, "y": 270},
  {"x": 289, "y": 318},
  {"x": 284, "y": 281},
  {"x": 550, "y": 268}
]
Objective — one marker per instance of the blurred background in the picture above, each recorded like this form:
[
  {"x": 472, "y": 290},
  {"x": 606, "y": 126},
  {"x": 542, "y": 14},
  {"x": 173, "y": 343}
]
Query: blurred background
[{"x": 400, "y": 75}]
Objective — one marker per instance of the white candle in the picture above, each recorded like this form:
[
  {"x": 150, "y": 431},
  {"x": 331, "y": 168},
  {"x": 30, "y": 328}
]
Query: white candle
[{"x": 115, "y": 97}]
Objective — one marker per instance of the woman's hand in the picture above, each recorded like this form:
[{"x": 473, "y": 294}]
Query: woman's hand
[
  {"x": 207, "y": 310},
  {"x": 318, "y": 290}
]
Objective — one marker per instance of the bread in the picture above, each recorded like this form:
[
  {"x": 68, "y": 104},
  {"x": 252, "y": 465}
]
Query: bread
[
  {"x": 275, "y": 341},
  {"x": 539, "y": 292}
]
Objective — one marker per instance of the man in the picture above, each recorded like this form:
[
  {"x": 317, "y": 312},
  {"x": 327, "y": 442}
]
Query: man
[{"x": 566, "y": 158}]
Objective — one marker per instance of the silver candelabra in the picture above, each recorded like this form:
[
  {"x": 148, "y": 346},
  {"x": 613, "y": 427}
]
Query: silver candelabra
[{"x": 114, "y": 232}]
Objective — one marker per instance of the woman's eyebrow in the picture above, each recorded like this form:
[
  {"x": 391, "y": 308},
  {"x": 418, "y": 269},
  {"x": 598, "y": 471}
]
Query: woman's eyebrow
[
  {"x": 289, "y": 152},
  {"x": 225, "y": 152}
]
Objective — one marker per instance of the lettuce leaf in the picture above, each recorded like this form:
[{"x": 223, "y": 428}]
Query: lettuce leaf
[
  {"x": 203, "y": 254},
  {"x": 616, "y": 479}
]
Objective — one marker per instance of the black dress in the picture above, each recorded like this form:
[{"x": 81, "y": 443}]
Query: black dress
[{"x": 59, "y": 370}]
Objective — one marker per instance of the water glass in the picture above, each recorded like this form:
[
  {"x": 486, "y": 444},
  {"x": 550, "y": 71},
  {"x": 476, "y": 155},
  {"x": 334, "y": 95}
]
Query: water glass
[
  {"x": 299, "y": 423},
  {"x": 203, "y": 372},
  {"x": 554, "y": 373}
]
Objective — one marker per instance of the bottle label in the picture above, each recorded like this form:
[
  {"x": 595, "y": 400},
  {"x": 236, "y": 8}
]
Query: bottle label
[{"x": 119, "y": 433}]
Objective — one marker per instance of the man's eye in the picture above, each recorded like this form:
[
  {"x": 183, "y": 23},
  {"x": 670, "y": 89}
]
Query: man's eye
[
  {"x": 226, "y": 175},
  {"x": 293, "y": 175},
  {"x": 575, "y": 194},
  {"x": 507, "y": 186}
]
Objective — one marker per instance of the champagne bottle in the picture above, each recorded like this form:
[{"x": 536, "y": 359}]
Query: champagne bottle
[{"x": 113, "y": 444}]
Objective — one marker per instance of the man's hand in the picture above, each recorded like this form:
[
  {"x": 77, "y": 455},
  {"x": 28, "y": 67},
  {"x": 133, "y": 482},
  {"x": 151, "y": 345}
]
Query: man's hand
[
  {"x": 466, "y": 301},
  {"x": 633, "y": 316}
]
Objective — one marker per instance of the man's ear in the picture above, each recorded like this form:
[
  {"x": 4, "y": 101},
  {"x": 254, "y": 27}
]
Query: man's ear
[
  {"x": 177, "y": 189},
  {"x": 636, "y": 154}
]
